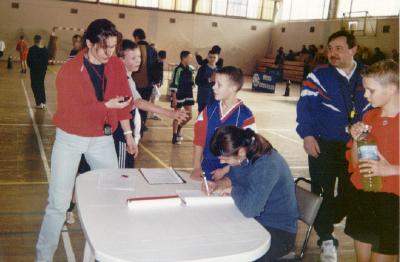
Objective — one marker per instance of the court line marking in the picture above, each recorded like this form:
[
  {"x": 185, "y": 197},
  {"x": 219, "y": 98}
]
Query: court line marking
[
  {"x": 24, "y": 183},
  {"x": 153, "y": 155},
  {"x": 285, "y": 137},
  {"x": 65, "y": 235}
]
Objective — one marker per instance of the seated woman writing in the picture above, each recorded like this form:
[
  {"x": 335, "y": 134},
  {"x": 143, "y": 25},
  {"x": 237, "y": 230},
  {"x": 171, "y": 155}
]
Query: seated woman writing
[{"x": 260, "y": 183}]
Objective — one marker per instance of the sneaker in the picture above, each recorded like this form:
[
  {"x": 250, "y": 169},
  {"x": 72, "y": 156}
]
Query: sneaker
[
  {"x": 328, "y": 251},
  {"x": 175, "y": 140},
  {"x": 70, "y": 218},
  {"x": 156, "y": 117},
  {"x": 179, "y": 138}
]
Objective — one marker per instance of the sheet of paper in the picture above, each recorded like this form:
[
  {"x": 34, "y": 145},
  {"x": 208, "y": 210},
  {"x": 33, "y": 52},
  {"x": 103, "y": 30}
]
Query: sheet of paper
[
  {"x": 198, "y": 197},
  {"x": 115, "y": 182},
  {"x": 161, "y": 176}
]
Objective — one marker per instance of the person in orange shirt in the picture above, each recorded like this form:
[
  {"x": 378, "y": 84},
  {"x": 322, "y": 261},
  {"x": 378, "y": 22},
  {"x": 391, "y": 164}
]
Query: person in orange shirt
[
  {"x": 373, "y": 219},
  {"x": 22, "y": 48}
]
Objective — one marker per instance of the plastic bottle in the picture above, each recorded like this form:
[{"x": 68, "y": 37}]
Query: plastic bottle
[{"x": 368, "y": 150}]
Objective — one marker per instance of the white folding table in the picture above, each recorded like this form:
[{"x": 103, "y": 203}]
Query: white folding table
[{"x": 181, "y": 233}]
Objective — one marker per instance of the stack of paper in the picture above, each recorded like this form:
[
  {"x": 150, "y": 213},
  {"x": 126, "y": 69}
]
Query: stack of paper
[
  {"x": 199, "y": 198},
  {"x": 156, "y": 176}
]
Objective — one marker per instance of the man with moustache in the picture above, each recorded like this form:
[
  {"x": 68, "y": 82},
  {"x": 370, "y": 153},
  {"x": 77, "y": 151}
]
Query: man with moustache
[{"x": 332, "y": 98}]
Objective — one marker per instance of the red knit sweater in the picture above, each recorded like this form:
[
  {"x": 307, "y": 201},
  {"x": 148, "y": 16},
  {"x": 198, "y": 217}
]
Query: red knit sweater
[{"x": 78, "y": 110}]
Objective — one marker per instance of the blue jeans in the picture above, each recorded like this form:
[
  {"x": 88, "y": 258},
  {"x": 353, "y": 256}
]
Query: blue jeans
[{"x": 67, "y": 151}]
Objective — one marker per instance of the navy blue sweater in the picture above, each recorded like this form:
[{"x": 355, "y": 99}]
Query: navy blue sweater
[{"x": 265, "y": 190}]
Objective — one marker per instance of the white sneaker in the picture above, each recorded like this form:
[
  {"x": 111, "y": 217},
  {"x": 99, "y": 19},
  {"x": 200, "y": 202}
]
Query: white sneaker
[
  {"x": 328, "y": 251},
  {"x": 179, "y": 138},
  {"x": 70, "y": 218}
]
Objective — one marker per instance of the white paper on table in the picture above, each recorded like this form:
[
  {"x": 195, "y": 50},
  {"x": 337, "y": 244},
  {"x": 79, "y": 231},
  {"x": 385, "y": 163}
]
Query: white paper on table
[
  {"x": 115, "y": 182},
  {"x": 199, "y": 198},
  {"x": 161, "y": 176},
  {"x": 154, "y": 202}
]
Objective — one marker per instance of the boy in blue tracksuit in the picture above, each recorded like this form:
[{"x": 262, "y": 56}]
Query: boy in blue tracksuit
[
  {"x": 205, "y": 79},
  {"x": 332, "y": 99}
]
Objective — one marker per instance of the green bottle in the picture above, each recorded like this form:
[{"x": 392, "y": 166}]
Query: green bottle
[{"x": 368, "y": 150}]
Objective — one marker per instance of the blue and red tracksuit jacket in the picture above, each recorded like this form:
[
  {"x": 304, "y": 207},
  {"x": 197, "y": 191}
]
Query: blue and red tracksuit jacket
[{"x": 326, "y": 101}]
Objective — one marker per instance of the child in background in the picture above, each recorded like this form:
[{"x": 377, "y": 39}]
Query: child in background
[
  {"x": 158, "y": 76},
  {"x": 22, "y": 48},
  {"x": 228, "y": 110},
  {"x": 217, "y": 49},
  {"x": 205, "y": 80},
  {"x": 373, "y": 220},
  {"x": 182, "y": 93},
  {"x": 76, "y": 46}
]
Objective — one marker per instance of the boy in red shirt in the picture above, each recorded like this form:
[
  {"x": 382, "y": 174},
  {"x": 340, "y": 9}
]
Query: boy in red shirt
[{"x": 373, "y": 220}]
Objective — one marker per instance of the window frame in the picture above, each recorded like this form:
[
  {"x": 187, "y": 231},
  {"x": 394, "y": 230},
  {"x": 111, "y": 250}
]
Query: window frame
[{"x": 174, "y": 11}]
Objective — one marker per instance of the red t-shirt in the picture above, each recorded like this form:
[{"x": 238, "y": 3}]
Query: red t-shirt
[{"x": 385, "y": 132}]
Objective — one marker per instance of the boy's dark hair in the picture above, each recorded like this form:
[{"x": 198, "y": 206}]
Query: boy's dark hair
[
  {"x": 216, "y": 49},
  {"x": 76, "y": 37},
  {"x": 235, "y": 75},
  {"x": 350, "y": 38},
  {"x": 21, "y": 37},
  {"x": 139, "y": 33},
  {"x": 126, "y": 44},
  {"x": 213, "y": 52},
  {"x": 37, "y": 39},
  {"x": 227, "y": 141},
  {"x": 184, "y": 54},
  {"x": 98, "y": 31},
  {"x": 162, "y": 54}
]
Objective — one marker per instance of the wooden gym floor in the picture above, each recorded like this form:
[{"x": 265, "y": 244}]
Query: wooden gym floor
[{"x": 27, "y": 134}]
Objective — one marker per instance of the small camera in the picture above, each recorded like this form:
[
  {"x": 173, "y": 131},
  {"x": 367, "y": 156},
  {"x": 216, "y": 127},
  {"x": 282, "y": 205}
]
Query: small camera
[{"x": 107, "y": 130}]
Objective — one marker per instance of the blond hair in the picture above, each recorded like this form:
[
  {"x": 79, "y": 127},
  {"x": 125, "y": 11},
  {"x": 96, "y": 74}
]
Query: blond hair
[{"x": 385, "y": 72}]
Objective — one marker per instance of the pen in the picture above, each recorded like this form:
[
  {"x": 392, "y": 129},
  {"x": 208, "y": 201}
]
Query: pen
[{"x": 206, "y": 184}]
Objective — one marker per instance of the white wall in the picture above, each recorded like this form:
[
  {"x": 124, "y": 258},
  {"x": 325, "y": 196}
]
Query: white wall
[{"x": 241, "y": 46}]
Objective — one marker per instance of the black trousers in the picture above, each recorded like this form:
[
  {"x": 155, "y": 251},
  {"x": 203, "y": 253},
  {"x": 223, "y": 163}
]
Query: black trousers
[
  {"x": 330, "y": 164},
  {"x": 37, "y": 84},
  {"x": 145, "y": 93},
  {"x": 282, "y": 243}
]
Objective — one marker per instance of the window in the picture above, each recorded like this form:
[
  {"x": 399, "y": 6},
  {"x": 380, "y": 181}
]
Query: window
[
  {"x": 305, "y": 9},
  {"x": 373, "y": 7},
  {"x": 268, "y": 10},
  {"x": 203, "y": 6},
  {"x": 254, "y": 8},
  {"x": 147, "y": 3},
  {"x": 219, "y": 7},
  {"x": 237, "y": 8},
  {"x": 183, "y": 5},
  {"x": 121, "y": 2},
  {"x": 166, "y": 4}
]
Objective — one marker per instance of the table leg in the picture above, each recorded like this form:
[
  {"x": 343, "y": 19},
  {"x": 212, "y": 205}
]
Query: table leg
[{"x": 88, "y": 255}]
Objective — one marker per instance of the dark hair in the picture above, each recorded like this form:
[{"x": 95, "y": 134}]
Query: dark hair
[
  {"x": 350, "y": 39},
  {"x": 37, "y": 39},
  {"x": 139, "y": 33},
  {"x": 126, "y": 44},
  {"x": 213, "y": 52},
  {"x": 76, "y": 37},
  {"x": 162, "y": 54},
  {"x": 98, "y": 31},
  {"x": 235, "y": 75},
  {"x": 216, "y": 49},
  {"x": 227, "y": 141},
  {"x": 184, "y": 54},
  {"x": 21, "y": 37}
]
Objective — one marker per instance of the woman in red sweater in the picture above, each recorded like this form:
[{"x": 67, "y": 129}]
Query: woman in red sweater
[
  {"x": 93, "y": 95},
  {"x": 373, "y": 220}
]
